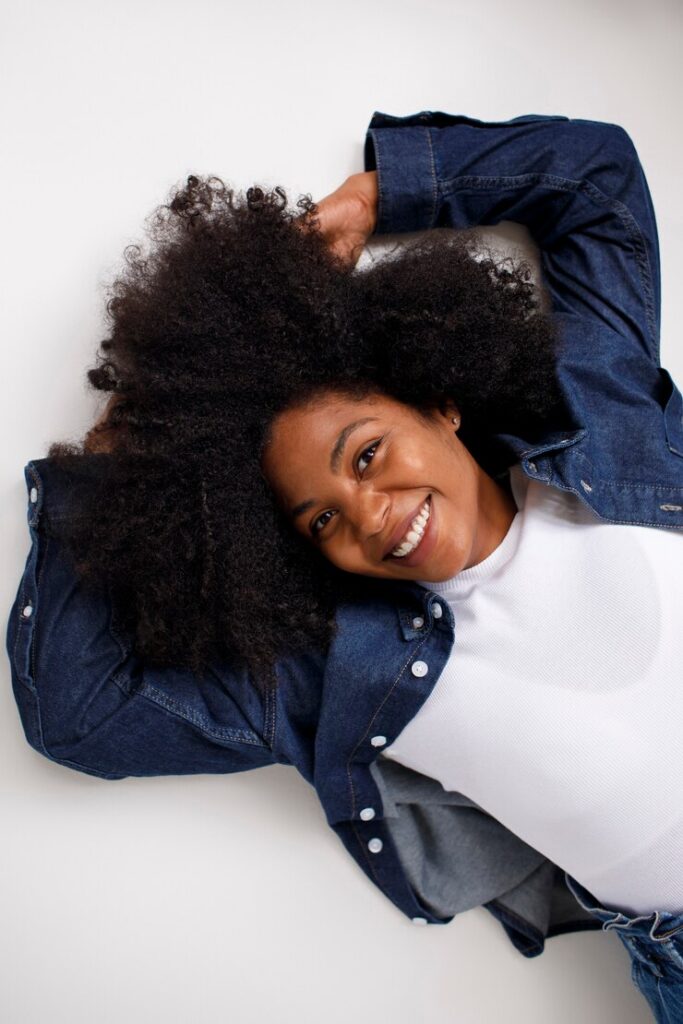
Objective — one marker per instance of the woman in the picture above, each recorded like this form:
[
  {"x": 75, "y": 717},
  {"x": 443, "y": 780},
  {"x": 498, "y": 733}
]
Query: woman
[{"x": 399, "y": 528}]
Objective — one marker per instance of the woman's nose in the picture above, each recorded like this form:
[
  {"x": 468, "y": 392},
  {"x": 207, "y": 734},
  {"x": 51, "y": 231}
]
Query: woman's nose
[{"x": 371, "y": 515}]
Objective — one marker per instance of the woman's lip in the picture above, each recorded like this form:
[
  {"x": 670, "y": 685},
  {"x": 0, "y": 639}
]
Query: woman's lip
[
  {"x": 398, "y": 537},
  {"x": 424, "y": 548}
]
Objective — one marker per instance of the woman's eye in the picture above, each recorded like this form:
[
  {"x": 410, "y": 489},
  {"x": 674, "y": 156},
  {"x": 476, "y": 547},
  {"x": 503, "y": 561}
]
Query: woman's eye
[
  {"x": 373, "y": 447},
  {"x": 315, "y": 529}
]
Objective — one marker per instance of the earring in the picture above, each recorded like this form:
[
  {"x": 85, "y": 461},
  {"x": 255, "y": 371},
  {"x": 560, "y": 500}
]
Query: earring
[{"x": 456, "y": 420}]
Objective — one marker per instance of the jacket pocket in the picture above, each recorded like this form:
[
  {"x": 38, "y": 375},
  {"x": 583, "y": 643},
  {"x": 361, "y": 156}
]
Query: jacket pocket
[{"x": 672, "y": 402}]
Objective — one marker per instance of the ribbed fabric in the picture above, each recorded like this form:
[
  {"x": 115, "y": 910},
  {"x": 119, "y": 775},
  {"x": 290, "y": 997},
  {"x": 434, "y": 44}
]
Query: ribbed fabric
[{"x": 560, "y": 710}]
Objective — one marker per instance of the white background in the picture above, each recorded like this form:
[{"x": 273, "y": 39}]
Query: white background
[{"x": 211, "y": 898}]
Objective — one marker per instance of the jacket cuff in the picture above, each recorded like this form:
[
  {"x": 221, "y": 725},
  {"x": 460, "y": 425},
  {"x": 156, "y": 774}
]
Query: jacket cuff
[
  {"x": 406, "y": 178},
  {"x": 53, "y": 491}
]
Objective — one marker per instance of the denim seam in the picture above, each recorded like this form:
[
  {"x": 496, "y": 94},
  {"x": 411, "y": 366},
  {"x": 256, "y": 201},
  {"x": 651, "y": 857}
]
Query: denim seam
[
  {"x": 367, "y": 857},
  {"x": 25, "y": 624},
  {"x": 30, "y": 683},
  {"x": 161, "y": 700},
  {"x": 627, "y": 485},
  {"x": 635, "y": 235},
  {"x": 30, "y": 623},
  {"x": 269, "y": 713},
  {"x": 434, "y": 181},
  {"x": 34, "y": 689},
  {"x": 391, "y": 689},
  {"x": 624, "y": 522},
  {"x": 371, "y": 863},
  {"x": 34, "y": 622},
  {"x": 361, "y": 842},
  {"x": 66, "y": 762},
  {"x": 380, "y": 180},
  {"x": 533, "y": 937}
]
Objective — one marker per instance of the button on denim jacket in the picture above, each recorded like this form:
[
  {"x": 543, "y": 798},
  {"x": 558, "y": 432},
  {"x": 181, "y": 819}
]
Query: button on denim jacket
[{"x": 86, "y": 700}]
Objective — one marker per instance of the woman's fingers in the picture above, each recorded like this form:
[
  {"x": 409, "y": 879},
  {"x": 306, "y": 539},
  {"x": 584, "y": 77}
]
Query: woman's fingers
[{"x": 347, "y": 217}]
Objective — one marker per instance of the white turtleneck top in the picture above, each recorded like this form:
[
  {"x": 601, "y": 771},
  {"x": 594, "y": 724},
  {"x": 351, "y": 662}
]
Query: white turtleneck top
[{"x": 560, "y": 709}]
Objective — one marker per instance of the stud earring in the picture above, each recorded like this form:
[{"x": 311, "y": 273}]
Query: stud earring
[{"x": 456, "y": 420}]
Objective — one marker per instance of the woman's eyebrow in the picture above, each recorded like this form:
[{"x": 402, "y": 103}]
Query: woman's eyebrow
[{"x": 336, "y": 456}]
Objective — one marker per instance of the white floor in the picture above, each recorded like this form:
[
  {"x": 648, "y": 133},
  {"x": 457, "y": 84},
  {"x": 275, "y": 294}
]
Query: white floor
[{"x": 206, "y": 899}]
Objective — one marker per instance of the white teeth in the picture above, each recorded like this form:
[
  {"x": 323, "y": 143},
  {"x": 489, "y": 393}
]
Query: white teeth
[{"x": 414, "y": 534}]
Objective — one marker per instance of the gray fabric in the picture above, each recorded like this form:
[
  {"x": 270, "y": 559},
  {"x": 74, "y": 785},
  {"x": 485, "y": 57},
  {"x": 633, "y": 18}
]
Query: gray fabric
[{"x": 457, "y": 856}]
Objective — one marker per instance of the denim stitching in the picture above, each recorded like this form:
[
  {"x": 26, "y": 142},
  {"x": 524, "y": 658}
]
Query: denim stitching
[
  {"x": 380, "y": 172},
  {"x": 88, "y": 769},
  {"x": 366, "y": 855},
  {"x": 32, "y": 670},
  {"x": 269, "y": 713},
  {"x": 371, "y": 865},
  {"x": 624, "y": 522},
  {"x": 627, "y": 485},
  {"x": 519, "y": 924},
  {"x": 376, "y": 713},
  {"x": 23, "y": 623},
  {"x": 624, "y": 485},
  {"x": 434, "y": 183},
  {"x": 589, "y": 469},
  {"x": 162, "y": 700},
  {"x": 159, "y": 698},
  {"x": 33, "y": 635}
]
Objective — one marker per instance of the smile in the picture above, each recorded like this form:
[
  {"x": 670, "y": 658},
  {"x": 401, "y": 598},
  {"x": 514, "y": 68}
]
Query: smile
[{"x": 414, "y": 534}]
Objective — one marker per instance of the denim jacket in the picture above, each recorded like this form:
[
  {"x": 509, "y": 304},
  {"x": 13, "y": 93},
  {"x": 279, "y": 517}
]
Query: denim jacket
[{"x": 87, "y": 701}]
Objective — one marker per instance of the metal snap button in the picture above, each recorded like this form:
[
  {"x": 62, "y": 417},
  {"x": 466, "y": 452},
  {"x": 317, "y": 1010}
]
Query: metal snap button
[
  {"x": 418, "y": 622},
  {"x": 437, "y": 610},
  {"x": 34, "y": 494},
  {"x": 28, "y": 611},
  {"x": 367, "y": 814},
  {"x": 420, "y": 668},
  {"x": 378, "y": 741},
  {"x": 375, "y": 845}
]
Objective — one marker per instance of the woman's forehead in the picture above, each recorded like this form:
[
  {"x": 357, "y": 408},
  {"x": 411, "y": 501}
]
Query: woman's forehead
[
  {"x": 318, "y": 432},
  {"x": 329, "y": 409},
  {"x": 319, "y": 425}
]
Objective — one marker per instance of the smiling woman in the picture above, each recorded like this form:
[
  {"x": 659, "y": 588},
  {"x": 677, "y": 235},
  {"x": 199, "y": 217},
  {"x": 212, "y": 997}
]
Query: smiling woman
[
  {"x": 416, "y": 468},
  {"x": 393, "y": 503},
  {"x": 240, "y": 350}
]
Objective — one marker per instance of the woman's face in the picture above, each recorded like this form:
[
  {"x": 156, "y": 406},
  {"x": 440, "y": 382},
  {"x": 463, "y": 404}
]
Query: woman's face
[{"x": 353, "y": 475}]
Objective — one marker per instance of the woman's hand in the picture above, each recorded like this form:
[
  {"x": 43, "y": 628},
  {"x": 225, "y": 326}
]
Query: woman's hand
[{"x": 348, "y": 216}]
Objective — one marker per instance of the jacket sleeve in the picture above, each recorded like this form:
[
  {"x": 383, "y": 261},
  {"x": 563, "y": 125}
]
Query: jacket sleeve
[
  {"x": 87, "y": 701},
  {"x": 577, "y": 185}
]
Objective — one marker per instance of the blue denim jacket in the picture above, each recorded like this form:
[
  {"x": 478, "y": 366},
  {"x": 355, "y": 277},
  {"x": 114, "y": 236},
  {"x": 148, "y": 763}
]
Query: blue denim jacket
[{"x": 87, "y": 701}]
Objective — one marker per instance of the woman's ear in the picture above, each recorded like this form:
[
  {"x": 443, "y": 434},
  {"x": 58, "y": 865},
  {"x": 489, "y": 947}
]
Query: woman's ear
[{"x": 449, "y": 409}]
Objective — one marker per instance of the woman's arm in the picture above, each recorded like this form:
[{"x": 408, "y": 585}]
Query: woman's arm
[
  {"x": 86, "y": 700},
  {"x": 577, "y": 185}
]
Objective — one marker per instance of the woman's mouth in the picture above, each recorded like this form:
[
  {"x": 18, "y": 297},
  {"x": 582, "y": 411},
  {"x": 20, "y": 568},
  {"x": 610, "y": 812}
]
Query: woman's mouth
[{"x": 417, "y": 547}]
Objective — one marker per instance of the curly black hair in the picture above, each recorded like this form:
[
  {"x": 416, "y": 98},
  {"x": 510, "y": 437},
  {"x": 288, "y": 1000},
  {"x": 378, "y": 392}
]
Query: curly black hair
[{"x": 230, "y": 316}]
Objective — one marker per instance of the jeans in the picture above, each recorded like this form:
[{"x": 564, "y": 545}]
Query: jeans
[{"x": 655, "y": 944}]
